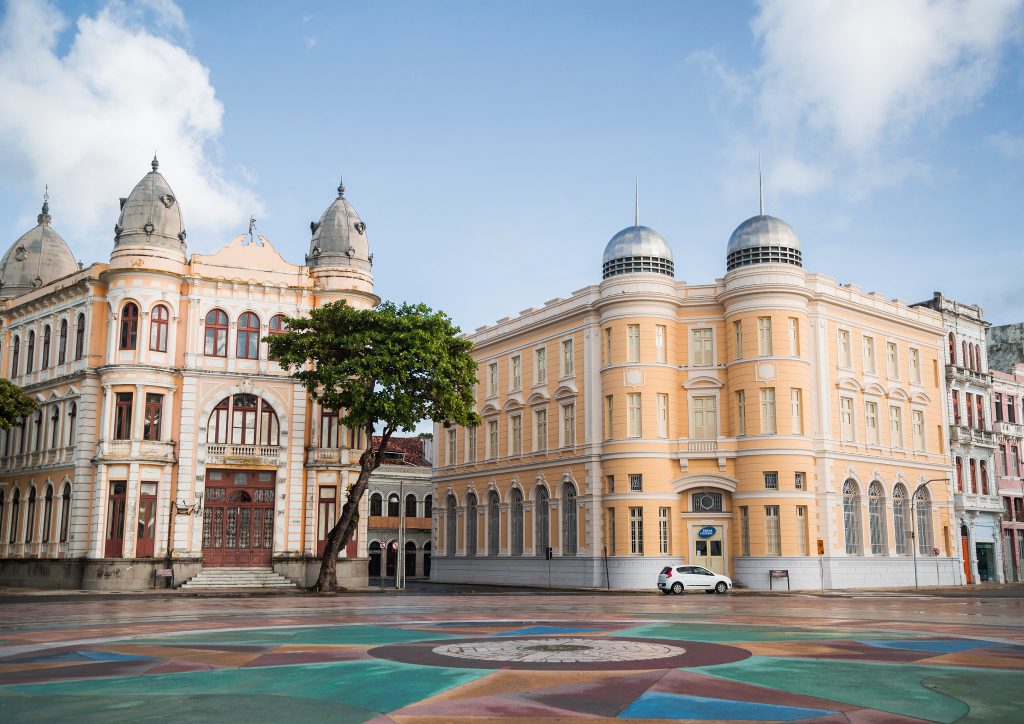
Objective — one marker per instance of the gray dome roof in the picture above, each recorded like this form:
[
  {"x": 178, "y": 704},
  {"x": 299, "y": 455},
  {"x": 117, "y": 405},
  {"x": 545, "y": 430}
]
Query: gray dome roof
[
  {"x": 637, "y": 249},
  {"x": 37, "y": 258},
  {"x": 339, "y": 237},
  {"x": 151, "y": 215},
  {"x": 763, "y": 239}
]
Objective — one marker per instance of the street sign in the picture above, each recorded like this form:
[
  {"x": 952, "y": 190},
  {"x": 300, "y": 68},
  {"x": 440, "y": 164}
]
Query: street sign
[
  {"x": 707, "y": 531},
  {"x": 935, "y": 551}
]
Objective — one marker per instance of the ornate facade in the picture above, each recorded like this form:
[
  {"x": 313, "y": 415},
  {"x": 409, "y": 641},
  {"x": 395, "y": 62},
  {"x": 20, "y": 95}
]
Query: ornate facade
[{"x": 165, "y": 439}]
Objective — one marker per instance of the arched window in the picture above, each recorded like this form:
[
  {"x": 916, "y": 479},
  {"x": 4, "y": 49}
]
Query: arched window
[
  {"x": 516, "y": 526},
  {"x": 216, "y": 340},
  {"x": 65, "y": 512},
  {"x": 899, "y": 518},
  {"x": 410, "y": 506},
  {"x": 977, "y": 357},
  {"x": 410, "y": 559},
  {"x": 393, "y": 505},
  {"x": 158, "y": 328},
  {"x": 959, "y": 475},
  {"x": 974, "y": 476},
  {"x": 923, "y": 521},
  {"x": 542, "y": 530},
  {"x": 45, "y": 361},
  {"x": 493, "y": 523},
  {"x": 47, "y": 513},
  {"x": 30, "y": 515},
  {"x": 952, "y": 349},
  {"x": 376, "y": 504},
  {"x": 471, "y": 528},
  {"x": 374, "y": 550},
  {"x": 983, "y": 466},
  {"x": 15, "y": 351},
  {"x": 80, "y": 337},
  {"x": 30, "y": 353},
  {"x": 876, "y": 518},
  {"x": 963, "y": 354},
  {"x": 428, "y": 506},
  {"x": 72, "y": 418},
  {"x": 276, "y": 326},
  {"x": 38, "y": 432},
  {"x": 451, "y": 526},
  {"x": 970, "y": 355},
  {"x": 15, "y": 519},
  {"x": 851, "y": 518},
  {"x": 129, "y": 337},
  {"x": 570, "y": 535},
  {"x": 243, "y": 420},
  {"x": 62, "y": 343},
  {"x": 248, "y": 342},
  {"x": 55, "y": 427}
]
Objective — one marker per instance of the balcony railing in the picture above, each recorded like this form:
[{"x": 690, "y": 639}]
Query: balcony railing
[
  {"x": 702, "y": 446},
  {"x": 131, "y": 449},
  {"x": 328, "y": 455},
  {"x": 242, "y": 453},
  {"x": 1008, "y": 429},
  {"x": 974, "y": 501},
  {"x": 969, "y": 436}
]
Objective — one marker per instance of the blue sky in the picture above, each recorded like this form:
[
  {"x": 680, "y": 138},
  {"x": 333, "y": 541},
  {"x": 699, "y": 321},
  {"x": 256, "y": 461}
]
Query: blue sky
[{"x": 491, "y": 147}]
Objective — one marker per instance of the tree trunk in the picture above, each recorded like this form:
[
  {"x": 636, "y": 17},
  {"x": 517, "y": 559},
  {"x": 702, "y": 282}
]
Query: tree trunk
[{"x": 345, "y": 528}]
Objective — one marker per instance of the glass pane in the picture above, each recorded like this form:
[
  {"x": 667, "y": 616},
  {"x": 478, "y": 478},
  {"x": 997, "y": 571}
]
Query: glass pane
[
  {"x": 207, "y": 520},
  {"x": 701, "y": 547},
  {"x": 716, "y": 547},
  {"x": 232, "y": 531},
  {"x": 243, "y": 528},
  {"x": 218, "y": 528}
]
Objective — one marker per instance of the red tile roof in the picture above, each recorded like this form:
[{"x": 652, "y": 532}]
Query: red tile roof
[{"x": 412, "y": 447}]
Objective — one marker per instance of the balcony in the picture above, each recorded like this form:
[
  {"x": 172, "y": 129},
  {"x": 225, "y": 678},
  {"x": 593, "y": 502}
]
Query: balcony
[
  {"x": 327, "y": 456},
  {"x": 241, "y": 454},
  {"x": 391, "y": 521},
  {"x": 55, "y": 456},
  {"x": 962, "y": 374},
  {"x": 983, "y": 503},
  {"x": 162, "y": 450},
  {"x": 1008, "y": 429},
  {"x": 702, "y": 446},
  {"x": 961, "y": 435}
]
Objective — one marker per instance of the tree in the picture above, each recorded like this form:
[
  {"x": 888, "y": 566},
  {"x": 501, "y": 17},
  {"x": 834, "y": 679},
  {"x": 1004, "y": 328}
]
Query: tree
[
  {"x": 387, "y": 367},
  {"x": 14, "y": 404}
]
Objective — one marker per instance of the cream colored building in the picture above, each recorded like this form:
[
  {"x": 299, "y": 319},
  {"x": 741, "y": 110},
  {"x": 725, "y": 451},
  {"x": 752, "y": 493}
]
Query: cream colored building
[
  {"x": 165, "y": 437},
  {"x": 737, "y": 425}
]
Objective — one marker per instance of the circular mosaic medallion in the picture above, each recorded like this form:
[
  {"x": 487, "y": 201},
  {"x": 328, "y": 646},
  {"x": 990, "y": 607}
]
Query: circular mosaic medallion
[{"x": 559, "y": 652}]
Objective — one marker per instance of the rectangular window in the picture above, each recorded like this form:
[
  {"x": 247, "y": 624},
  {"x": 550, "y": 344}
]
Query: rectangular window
[
  {"x": 154, "y": 412},
  {"x": 568, "y": 358},
  {"x": 871, "y": 422},
  {"x": 516, "y": 424},
  {"x": 636, "y": 531},
  {"x": 662, "y": 415},
  {"x": 663, "y": 541},
  {"x": 801, "y": 530},
  {"x": 1014, "y": 462},
  {"x": 611, "y": 531},
  {"x": 800, "y": 481},
  {"x": 771, "y": 480},
  {"x": 869, "y": 355},
  {"x": 540, "y": 366},
  {"x": 492, "y": 439},
  {"x": 737, "y": 331},
  {"x": 636, "y": 482},
  {"x": 895, "y": 427},
  {"x": 492, "y": 379},
  {"x": 452, "y": 447},
  {"x": 741, "y": 413},
  {"x": 659, "y": 343},
  {"x": 768, "y": 411},
  {"x": 471, "y": 444},
  {"x": 892, "y": 360},
  {"x": 610, "y": 479},
  {"x": 705, "y": 418},
  {"x": 608, "y": 345},
  {"x": 794, "y": 337},
  {"x": 702, "y": 350},
  {"x": 764, "y": 336},
  {"x": 956, "y": 407},
  {"x": 1002, "y": 459},
  {"x": 633, "y": 343},
  {"x": 772, "y": 534},
  {"x": 634, "y": 424},
  {"x": 844, "y": 349},
  {"x": 540, "y": 430},
  {"x": 846, "y": 419},
  {"x": 744, "y": 531},
  {"x": 1011, "y": 410},
  {"x": 609, "y": 417},
  {"x": 915, "y": 366},
  {"x": 917, "y": 422},
  {"x": 796, "y": 411},
  {"x": 998, "y": 404},
  {"x": 969, "y": 404},
  {"x": 568, "y": 425},
  {"x": 328, "y": 428},
  {"x": 516, "y": 378},
  {"x": 123, "y": 416}
]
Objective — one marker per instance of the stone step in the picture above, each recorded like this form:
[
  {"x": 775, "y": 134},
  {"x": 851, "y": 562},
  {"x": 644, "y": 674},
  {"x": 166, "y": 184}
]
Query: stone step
[{"x": 237, "y": 578}]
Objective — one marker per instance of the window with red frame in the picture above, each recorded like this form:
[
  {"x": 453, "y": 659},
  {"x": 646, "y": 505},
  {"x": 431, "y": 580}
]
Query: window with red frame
[
  {"x": 158, "y": 328},
  {"x": 154, "y": 413},
  {"x": 62, "y": 344},
  {"x": 952, "y": 349},
  {"x": 959, "y": 475},
  {"x": 15, "y": 351},
  {"x": 968, "y": 402},
  {"x": 956, "y": 407},
  {"x": 129, "y": 326},
  {"x": 216, "y": 341},
  {"x": 248, "y": 343},
  {"x": 984, "y": 477},
  {"x": 277, "y": 326},
  {"x": 974, "y": 476},
  {"x": 981, "y": 411},
  {"x": 80, "y": 338},
  {"x": 123, "y": 416}
]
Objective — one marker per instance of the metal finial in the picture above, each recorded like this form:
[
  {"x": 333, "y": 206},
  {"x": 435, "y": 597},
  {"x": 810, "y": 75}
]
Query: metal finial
[
  {"x": 155, "y": 164},
  {"x": 46, "y": 199},
  {"x": 760, "y": 186},
  {"x": 341, "y": 188},
  {"x": 636, "y": 199}
]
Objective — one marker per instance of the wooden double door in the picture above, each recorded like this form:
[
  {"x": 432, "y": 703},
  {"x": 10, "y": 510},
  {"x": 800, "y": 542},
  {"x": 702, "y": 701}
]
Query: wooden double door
[{"x": 238, "y": 518}]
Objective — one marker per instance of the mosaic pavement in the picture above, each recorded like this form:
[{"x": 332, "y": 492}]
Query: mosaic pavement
[{"x": 508, "y": 658}]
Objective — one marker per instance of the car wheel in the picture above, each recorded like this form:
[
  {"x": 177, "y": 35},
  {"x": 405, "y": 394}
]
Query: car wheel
[
  {"x": 721, "y": 587},
  {"x": 665, "y": 591},
  {"x": 677, "y": 587}
]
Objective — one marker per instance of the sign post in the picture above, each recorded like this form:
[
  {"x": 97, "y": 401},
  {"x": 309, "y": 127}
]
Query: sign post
[
  {"x": 774, "y": 573},
  {"x": 821, "y": 562},
  {"x": 935, "y": 553}
]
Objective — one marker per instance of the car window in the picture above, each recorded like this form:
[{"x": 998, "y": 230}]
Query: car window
[
  {"x": 681, "y": 569},
  {"x": 666, "y": 569},
  {"x": 702, "y": 571}
]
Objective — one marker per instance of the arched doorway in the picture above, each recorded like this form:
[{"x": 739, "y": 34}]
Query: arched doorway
[
  {"x": 410, "y": 559},
  {"x": 374, "y": 559},
  {"x": 391, "y": 559},
  {"x": 426, "y": 559},
  {"x": 238, "y": 518}
]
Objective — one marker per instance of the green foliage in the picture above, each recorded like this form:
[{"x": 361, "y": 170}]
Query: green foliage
[
  {"x": 392, "y": 365},
  {"x": 14, "y": 404}
]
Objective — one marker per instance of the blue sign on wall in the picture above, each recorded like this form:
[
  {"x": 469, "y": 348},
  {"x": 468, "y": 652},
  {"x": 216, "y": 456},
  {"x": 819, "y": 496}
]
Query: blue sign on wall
[{"x": 707, "y": 531}]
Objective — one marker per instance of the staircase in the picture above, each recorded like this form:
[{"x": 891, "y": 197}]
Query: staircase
[{"x": 238, "y": 579}]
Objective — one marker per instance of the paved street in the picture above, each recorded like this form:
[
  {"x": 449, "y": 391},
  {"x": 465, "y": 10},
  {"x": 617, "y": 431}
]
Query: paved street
[{"x": 427, "y": 656}]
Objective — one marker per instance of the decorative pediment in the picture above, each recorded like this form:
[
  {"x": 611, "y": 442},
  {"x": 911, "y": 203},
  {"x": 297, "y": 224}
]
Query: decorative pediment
[
  {"x": 538, "y": 398},
  {"x": 702, "y": 382},
  {"x": 849, "y": 383},
  {"x": 568, "y": 390},
  {"x": 921, "y": 398},
  {"x": 874, "y": 388},
  {"x": 898, "y": 393},
  {"x": 512, "y": 403},
  {"x": 489, "y": 409},
  {"x": 704, "y": 480}
]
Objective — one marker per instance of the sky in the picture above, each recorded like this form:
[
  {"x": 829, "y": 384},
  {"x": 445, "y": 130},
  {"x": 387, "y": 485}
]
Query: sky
[{"x": 492, "y": 148}]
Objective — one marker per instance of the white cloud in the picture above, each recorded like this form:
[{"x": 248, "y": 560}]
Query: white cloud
[
  {"x": 87, "y": 122},
  {"x": 1009, "y": 145}
]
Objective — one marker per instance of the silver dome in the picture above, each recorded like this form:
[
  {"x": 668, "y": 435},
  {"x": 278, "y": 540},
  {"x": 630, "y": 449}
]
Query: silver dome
[
  {"x": 763, "y": 239},
  {"x": 339, "y": 237},
  {"x": 151, "y": 215},
  {"x": 39, "y": 257},
  {"x": 637, "y": 249}
]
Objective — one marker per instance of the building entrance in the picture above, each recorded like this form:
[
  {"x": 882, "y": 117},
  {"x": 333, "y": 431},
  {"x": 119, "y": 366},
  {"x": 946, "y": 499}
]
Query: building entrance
[
  {"x": 238, "y": 518},
  {"x": 708, "y": 547}
]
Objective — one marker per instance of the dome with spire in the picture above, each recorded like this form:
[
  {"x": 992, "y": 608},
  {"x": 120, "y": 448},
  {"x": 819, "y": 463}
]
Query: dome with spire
[
  {"x": 763, "y": 239},
  {"x": 339, "y": 237},
  {"x": 150, "y": 217},
  {"x": 637, "y": 249},
  {"x": 39, "y": 257}
]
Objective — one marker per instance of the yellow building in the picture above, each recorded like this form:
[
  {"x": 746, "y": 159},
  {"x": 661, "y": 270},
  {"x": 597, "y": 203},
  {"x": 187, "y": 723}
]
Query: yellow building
[{"x": 742, "y": 425}]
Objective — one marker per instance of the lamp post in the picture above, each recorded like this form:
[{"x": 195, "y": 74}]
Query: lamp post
[
  {"x": 400, "y": 553},
  {"x": 913, "y": 524}
]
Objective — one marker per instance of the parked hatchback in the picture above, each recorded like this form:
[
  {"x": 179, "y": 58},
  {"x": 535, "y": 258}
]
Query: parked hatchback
[{"x": 676, "y": 579}]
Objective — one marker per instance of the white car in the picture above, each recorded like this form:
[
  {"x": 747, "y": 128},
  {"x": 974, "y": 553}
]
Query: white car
[{"x": 676, "y": 579}]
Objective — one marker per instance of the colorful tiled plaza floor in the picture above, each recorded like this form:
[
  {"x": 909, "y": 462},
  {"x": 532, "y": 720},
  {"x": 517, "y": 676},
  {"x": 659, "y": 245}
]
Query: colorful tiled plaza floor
[{"x": 513, "y": 657}]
